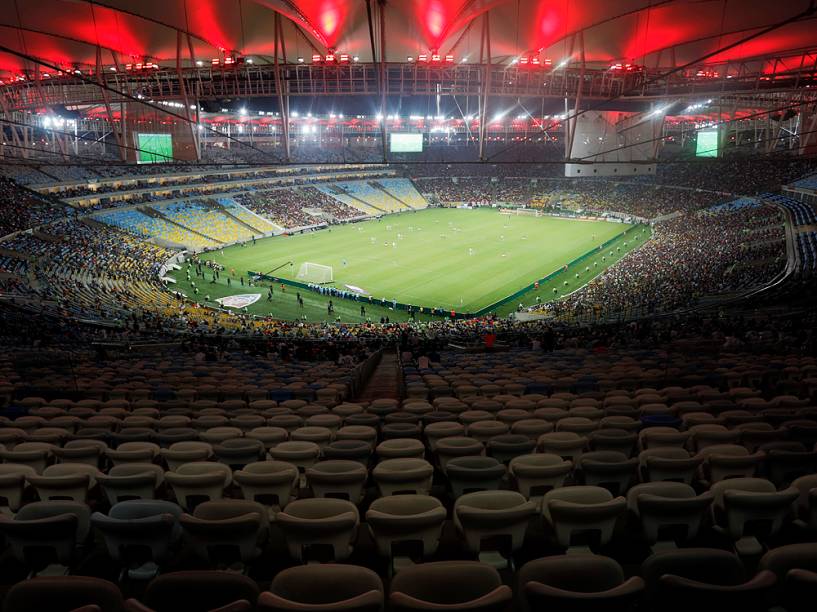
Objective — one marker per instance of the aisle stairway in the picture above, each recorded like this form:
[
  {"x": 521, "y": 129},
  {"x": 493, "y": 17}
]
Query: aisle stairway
[{"x": 385, "y": 380}]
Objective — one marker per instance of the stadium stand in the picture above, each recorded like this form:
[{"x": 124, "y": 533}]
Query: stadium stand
[
  {"x": 362, "y": 191},
  {"x": 803, "y": 213},
  {"x": 809, "y": 182},
  {"x": 207, "y": 221},
  {"x": 404, "y": 191},
  {"x": 139, "y": 223},
  {"x": 807, "y": 251},
  {"x": 22, "y": 209},
  {"x": 258, "y": 223},
  {"x": 206, "y": 407}
]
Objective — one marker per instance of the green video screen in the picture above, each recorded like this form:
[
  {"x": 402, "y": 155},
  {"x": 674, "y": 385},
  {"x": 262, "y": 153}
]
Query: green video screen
[
  {"x": 155, "y": 148},
  {"x": 406, "y": 143},
  {"x": 707, "y": 145}
]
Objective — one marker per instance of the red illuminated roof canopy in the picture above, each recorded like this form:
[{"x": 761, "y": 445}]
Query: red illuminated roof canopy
[{"x": 649, "y": 33}]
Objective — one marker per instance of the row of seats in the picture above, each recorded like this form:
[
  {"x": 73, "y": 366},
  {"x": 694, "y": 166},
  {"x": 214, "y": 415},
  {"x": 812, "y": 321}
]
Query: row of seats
[
  {"x": 699, "y": 377},
  {"x": 404, "y": 190},
  {"x": 807, "y": 251},
  {"x": 571, "y": 501},
  {"x": 205, "y": 220},
  {"x": 143, "y": 225},
  {"x": 700, "y": 578},
  {"x": 258, "y": 222},
  {"x": 802, "y": 213}
]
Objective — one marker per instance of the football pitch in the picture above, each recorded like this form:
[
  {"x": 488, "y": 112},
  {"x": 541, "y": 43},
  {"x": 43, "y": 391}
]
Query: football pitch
[{"x": 452, "y": 259}]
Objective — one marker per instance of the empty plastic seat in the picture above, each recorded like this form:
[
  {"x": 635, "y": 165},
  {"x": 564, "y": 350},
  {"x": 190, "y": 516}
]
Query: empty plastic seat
[
  {"x": 64, "y": 594},
  {"x": 180, "y": 453},
  {"x": 345, "y": 588},
  {"x": 132, "y": 434},
  {"x": 474, "y": 473},
  {"x": 195, "y": 591},
  {"x": 238, "y": 452},
  {"x": 34, "y": 454},
  {"x": 353, "y": 450},
  {"x": 668, "y": 511},
  {"x": 782, "y": 467},
  {"x": 580, "y": 510},
  {"x": 794, "y": 592},
  {"x": 461, "y": 586},
  {"x": 533, "y": 428},
  {"x": 301, "y": 454},
  {"x": 47, "y": 532},
  {"x": 80, "y": 451},
  {"x": 332, "y": 422},
  {"x": 456, "y": 446},
  {"x": 271, "y": 483},
  {"x": 357, "y": 432},
  {"x": 337, "y": 478},
  {"x": 806, "y": 507},
  {"x": 248, "y": 422},
  {"x": 199, "y": 481},
  {"x": 317, "y": 435},
  {"x": 536, "y": 474},
  {"x": 609, "y": 469},
  {"x": 166, "y": 438},
  {"x": 566, "y": 444},
  {"x": 656, "y": 437},
  {"x": 131, "y": 481},
  {"x": 288, "y": 422},
  {"x": 704, "y": 579},
  {"x": 13, "y": 483},
  {"x": 319, "y": 528},
  {"x": 401, "y": 448},
  {"x": 722, "y": 461},
  {"x": 227, "y": 530},
  {"x": 439, "y": 430},
  {"x": 502, "y": 516},
  {"x": 406, "y": 523},
  {"x": 611, "y": 439},
  {"x": 583, "y": 583},
  {"x": 743, "y": 507},
  {"x": 65, "y": 481},
  {"x": 668, "y": 463},
  {"x": 9, "y": 438},
  {"x": 709, "y": 435},
  {"x": 133, "y": 452},
  {"x": 405, "y": 475},
  {"x": 578, "y": 425},
  {"x": 401, "y": 430},
  {"x": 505, "y": 447},
  {"x": 800, "y": 589},
  {"x": 140, "y": 531},
  {"x": 268, "y": 436},
  {"x": 487, "y": 429}
]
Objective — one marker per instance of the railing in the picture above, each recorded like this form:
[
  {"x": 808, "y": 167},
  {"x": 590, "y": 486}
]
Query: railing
[{"x": 403, "y": 79}]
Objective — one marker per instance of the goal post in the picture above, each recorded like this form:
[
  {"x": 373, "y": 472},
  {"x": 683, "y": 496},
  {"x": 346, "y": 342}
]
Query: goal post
[{"x": 315, "y": 273}]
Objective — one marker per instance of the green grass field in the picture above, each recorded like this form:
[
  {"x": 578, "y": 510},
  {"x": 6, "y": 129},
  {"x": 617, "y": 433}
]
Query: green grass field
[{"x": 463, "y": 260}]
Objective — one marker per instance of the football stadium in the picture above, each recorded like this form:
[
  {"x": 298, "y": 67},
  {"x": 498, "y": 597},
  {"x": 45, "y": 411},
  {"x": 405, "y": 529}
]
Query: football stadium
[{"x": 408, "y": 305}]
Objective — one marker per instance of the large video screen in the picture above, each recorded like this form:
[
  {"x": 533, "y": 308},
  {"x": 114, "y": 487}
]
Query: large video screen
[
  {"x": 707, "y": 145},
  {"x": 155, "y": 148},
  {"x": 406, "y": 143}
]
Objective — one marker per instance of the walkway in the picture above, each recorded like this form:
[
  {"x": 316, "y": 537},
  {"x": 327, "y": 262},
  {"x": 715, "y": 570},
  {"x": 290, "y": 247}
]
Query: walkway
[{"x": 385, "y": 380}]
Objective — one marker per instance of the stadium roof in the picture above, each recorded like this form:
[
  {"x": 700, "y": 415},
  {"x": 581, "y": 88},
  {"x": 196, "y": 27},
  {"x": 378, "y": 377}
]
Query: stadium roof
[{"x": 645, "y": 32}]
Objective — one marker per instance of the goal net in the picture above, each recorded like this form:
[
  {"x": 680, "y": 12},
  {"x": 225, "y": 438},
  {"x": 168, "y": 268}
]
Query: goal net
[{"x": 315, "y": 273}]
